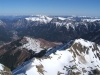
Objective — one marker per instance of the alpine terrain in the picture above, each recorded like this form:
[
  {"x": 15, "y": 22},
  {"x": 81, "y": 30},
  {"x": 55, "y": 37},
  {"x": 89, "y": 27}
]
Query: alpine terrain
[{"x": 80, "y": 57}]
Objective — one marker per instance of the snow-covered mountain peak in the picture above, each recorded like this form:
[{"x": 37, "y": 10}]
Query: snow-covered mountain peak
[
  {"x": 70, "y": 61},
  {"x": 76, "y": 61},
  {"x": 85, "y": 47},
  {"x": 40, "y": 18},
  {"x": 83, "y": 42}
]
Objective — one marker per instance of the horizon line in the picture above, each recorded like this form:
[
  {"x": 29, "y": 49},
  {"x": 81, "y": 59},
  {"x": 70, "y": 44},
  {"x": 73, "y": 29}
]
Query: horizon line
[{"x": 51, "y": 15}]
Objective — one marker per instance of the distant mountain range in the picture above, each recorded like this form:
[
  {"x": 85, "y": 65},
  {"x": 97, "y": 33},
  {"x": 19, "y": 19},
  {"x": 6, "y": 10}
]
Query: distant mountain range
[{"x": 56, "y": 29}]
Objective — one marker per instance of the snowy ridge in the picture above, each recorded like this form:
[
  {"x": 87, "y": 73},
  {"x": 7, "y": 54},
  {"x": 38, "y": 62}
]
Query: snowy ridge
[
  {"x": 84, "y": 43},
  {"x": 37, "y": 45},
  {"x": 68, "y": 22},
  {"x": 75, "y": 21},
  {"x": 67, "y": 61},
  {"x": 40, "y": 18}
]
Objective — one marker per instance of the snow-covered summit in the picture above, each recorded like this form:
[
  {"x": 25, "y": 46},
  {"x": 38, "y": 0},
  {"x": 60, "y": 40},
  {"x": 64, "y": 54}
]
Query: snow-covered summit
[
  {"x": 83, "y": 42},
  {"x": 84, "y": 47},
  {"x": 40, "y": 18}
]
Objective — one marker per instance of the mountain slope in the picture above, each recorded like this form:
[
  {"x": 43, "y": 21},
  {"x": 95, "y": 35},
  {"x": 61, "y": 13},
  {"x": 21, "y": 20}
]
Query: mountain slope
[
  {"x": 82, "y": 58},
  {"x": 15, "y": 53}
]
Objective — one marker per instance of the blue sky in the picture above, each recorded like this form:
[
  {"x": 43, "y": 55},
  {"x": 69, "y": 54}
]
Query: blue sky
[{"x": 50, "y": 7}]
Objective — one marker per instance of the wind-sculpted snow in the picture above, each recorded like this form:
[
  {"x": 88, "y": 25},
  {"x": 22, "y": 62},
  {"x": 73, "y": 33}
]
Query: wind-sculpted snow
[{"x": 79, "y": 58}]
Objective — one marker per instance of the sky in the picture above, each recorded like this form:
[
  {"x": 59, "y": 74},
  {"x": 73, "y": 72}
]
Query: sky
[{"x": 50, "y": 7}]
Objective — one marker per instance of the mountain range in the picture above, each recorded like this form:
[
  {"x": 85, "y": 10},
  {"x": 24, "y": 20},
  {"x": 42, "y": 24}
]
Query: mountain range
[
  {"x": 50, "y": 45},
  {"x": 55, "y": 29}
]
